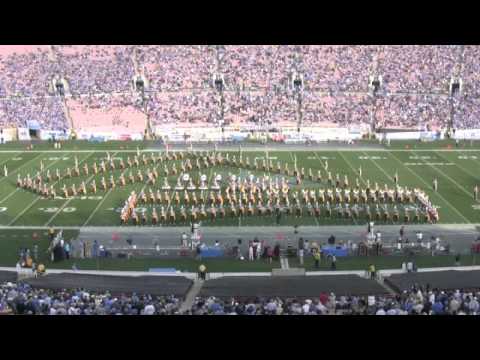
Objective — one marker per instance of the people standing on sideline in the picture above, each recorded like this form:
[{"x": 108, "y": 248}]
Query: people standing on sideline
[
  {"x": 202, "y": 272},
  {"x": 316, "y": 257},
  {"x": 333, "y": 265},
  {"x": 301, "y": 248},
  {"x": 372, "y": 272},
  {"x": 66, "y": 247},
  {"x": 184, "y": 242},
  {"x": 95, "y": 249}
]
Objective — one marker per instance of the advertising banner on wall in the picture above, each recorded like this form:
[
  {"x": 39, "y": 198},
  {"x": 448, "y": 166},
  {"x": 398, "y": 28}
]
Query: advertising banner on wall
[{"x": 23, "y": 134}]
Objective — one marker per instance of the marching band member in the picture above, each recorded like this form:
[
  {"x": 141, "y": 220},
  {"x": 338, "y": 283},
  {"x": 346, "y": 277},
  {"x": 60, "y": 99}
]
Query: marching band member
[
  {"x": 158, "y": 197},
  {"x": 171, "y": 216},
  {"x": 154, "y": 217},
  {"x": 135, "y": 218},
  {"x": 319, "y": 176},
  {"x": 53, "y": 193},
  {"x": 139, "y": 176},
  {"x": 194, "y": 199},
  {"x": 131, "y": 178},
  {"x": 65, "y": 191},
  {"x": 5, "y": 170},
  {"x": 129, "y": 162},
  {"x": 85, "y": 169},
  {"x": 95, "y": 169},
  {"x": 122, "y": 164},
  {"x": 19, "y": 181},
  {"x": 112, "y": 182},
  {"x": 103, "y": 168},
  {"x": 74, "y": 190},
  {"x": 135, "y": 161},
  {"x": 68, "y": 173},
  {"x": 103, "y": 183},
  {"x": 93, "y": 186},
  {"x": 122, "y": 180},
  {"x": 163, "y": 215},
  {"x": 143, "y": 197}
]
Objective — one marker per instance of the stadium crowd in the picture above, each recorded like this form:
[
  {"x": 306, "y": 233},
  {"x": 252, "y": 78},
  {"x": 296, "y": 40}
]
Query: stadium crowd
[
  {"x": 417, "y": 301},
  {"x": 22, "y": 299},
  {"x": 414, "y": 91}
]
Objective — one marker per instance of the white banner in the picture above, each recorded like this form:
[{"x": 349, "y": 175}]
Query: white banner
[
  {"x": 467, "y": 134},
  {"x": 23, "y": 134}
]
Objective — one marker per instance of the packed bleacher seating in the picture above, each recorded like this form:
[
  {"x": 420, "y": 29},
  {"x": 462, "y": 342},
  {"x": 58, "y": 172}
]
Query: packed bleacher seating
[
  {"x": 341, "y": 110},
  {"x": 337, "y": 68},
  {"x": 47, "y": 111},
  {"x": 176, "y": 67},
  {"x": 417, "y": 301},
  {"x": 412, "y": 111},
  {"x": 22, "y": 299},
  {"x": 414, "y": 91},
  {"x": 422, "y": 68},
  {"x": 189, "y": 107},
  {"x": 268, "y": 107},
  {"x": 96, "y": 68}
]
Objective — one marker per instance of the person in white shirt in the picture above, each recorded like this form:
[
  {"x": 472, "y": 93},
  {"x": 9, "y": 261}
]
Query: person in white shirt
[
  {"x": 149, "y": 310},
  {"x": 419, "y": 237},
  {"x": 250, "y": 253},
  {"x": 381, "y": 312}
]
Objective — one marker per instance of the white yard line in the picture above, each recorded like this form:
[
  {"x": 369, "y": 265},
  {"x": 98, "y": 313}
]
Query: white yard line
[
  {"x": 465, "y": 170},
  {"x": 103, "y": 200},
  {"x": 39, "y": 197},
  {"x": 379, "y": 167},
  {"x": 351, "y": 167},
  {"x": 280, "y": 149},
  {"x": 318, "y": 157},
  {"x": 437, "y": 193},
  {"x": 20, "y": 167},
  {"x": 449, "y": 178},
  {"x": 10, "y": 158},
  {"x": 65, "y": 204}
]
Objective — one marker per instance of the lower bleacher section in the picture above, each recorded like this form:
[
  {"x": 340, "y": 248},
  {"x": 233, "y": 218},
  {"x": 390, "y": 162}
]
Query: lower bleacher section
[
  {"x": 8, "y": 276},
  {"x": 293, "y": 286},
  {"x": 153, "y": 285},
  {"x": 445, "y": 280}
]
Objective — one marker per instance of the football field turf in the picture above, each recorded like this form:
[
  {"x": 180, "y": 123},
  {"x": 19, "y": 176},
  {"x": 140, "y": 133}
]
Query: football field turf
[{"x": 457, "y": 172}]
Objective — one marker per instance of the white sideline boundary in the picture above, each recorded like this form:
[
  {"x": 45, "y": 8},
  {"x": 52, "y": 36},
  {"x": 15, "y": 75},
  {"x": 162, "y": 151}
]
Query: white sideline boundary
[
  {"x": 218, "y": 275},
  {"x": 253, "y": 149}
]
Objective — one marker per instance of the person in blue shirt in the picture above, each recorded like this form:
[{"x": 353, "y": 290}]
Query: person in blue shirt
[{"x": 437, "y": 308}]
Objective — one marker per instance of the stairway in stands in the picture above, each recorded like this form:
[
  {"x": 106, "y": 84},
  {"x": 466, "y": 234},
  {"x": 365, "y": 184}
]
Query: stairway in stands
[{"x": 191, "y": 295}]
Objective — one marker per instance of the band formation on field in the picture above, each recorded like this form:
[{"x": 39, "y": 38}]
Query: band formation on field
[{"x": 211, "y": 186}]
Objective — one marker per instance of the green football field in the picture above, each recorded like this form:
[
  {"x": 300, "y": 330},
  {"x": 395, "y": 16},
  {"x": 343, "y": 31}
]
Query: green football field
[{"x": 456, "y": 169}]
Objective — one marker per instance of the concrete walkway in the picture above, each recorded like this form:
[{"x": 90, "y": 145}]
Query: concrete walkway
[{"x": 191, "y": 295}]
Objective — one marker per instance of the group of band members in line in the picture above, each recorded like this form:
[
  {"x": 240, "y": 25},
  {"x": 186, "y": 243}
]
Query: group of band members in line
[
  {"x": 251, "y": 200},
  {"x": 36, "y": 184}
]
